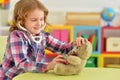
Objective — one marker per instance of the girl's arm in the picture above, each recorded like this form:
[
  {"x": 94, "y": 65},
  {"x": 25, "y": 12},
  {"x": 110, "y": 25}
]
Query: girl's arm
[{"x": 55, "y": 45}]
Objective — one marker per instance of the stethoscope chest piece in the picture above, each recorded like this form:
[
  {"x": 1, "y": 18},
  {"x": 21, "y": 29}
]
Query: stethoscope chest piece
[{"x": 37, "y": 39}]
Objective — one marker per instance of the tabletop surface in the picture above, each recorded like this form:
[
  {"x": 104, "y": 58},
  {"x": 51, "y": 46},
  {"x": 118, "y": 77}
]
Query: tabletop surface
[{"x": 86, "y": 74}]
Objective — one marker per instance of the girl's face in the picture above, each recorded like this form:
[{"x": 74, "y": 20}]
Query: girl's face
[{"x": 34, "y": 21}]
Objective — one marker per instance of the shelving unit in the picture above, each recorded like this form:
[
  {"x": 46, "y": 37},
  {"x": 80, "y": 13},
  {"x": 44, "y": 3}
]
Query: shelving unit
[
  {"x": 110, "y": 32},
  {"x": 100, "y": 57},
  {"x": 110, "y": 48},
  {"x": 90, "y": 30},
  {"x": 94, "y": 60}
]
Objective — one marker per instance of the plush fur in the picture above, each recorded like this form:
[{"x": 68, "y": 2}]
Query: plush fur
[{"x": 76, "y": 60}]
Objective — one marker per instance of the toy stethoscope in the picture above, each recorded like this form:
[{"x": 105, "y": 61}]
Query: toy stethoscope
[{"x": 33, "y": 38}]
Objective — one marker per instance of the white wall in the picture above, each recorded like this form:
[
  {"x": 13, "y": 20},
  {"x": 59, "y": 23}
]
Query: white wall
[
  {"x": 80, "y": 5},
  {"x": 63, "y": 6},
  {"x": 76, "y": 5}
]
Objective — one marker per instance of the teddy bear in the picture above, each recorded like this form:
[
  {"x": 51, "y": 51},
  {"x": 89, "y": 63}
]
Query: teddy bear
[{"x": 75, "y": 60}]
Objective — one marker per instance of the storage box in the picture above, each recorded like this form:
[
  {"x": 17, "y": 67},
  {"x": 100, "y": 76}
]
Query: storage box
[
  {"x": 91, "y": 62},
  {"x": 113, "y": 44},
  {"x": 3, "y": 18},
  {"x": 78, "y": 18}
]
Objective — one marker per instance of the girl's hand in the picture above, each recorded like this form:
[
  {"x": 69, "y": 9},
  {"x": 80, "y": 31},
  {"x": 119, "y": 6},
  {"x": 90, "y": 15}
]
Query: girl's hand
[
  {"x": 79, "y": 40},
  {"x": 58, "y": 59}
]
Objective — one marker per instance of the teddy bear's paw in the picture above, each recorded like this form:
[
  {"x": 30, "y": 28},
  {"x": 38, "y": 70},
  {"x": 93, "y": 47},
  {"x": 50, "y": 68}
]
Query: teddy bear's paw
[
  {"x": 62, "y": 69},
  {"x": 74, "y": 60},
  {"x": 85, "y": 50}
]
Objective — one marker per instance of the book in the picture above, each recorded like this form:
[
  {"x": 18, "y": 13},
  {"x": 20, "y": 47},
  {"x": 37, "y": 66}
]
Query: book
[
  {"x": 93, "y": 40},
  {"x": 64, "y": 36},
  {"x": 56, "y": 34}
]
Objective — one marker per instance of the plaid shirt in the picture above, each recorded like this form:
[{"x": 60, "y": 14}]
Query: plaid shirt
[{"x": 23, "y": 55}]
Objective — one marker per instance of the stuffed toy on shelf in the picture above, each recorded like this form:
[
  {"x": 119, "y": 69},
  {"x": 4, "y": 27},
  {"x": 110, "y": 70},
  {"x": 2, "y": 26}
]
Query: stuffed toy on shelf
[{"x": 75, "y": 60}]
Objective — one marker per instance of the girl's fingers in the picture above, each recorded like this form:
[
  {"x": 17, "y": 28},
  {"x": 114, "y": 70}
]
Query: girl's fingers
[
  {"x": 60, "y": 57},
  {"x": 78, "y": 34},
  {"x": 61, "y": 60},
  {"x": 80, "y": 41}
]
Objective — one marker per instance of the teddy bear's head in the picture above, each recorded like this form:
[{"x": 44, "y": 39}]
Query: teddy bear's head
[
  {"x": 82, "y": 52},
  {"x": 75, "y": 60}
]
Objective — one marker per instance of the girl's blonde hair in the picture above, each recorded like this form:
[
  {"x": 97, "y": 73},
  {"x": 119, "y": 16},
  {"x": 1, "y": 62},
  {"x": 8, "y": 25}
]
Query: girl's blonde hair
[{"x": 21, "y": 10}]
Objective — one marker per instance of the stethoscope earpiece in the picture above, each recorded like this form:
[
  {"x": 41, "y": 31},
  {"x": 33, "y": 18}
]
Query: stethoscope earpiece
[{"x": 36, "y": 39}]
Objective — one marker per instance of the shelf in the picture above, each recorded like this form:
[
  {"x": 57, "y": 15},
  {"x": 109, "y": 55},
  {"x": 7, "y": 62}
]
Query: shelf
[
  {"x": 107, "y": 33},
  {"x": 93, "y": 33},
  {"x": 110, "y": 60},
  {"x": 50, "y": 29},
  {"x": 93, "y": 61},
  {"x": 61, "y": 32}
]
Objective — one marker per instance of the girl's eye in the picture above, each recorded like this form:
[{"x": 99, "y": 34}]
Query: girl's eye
[
  {"x": 34, "y": 20},
  {"x": 37, "y": 19},
  {"x": 42, "y": 19}
]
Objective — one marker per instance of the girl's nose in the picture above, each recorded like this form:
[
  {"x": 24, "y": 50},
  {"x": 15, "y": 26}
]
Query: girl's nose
[{"x": 39, "y": 22}]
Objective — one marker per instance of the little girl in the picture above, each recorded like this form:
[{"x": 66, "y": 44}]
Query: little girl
[{"x": 27, "y": 41}]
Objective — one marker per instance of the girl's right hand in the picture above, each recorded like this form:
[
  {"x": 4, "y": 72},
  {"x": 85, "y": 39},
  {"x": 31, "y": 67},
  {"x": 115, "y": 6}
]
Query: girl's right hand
[{"x": 58, "y": 59}]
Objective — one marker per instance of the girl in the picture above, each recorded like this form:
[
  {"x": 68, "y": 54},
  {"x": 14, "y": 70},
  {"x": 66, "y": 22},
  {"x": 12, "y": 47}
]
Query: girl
[{"x": 27, "y": 41}]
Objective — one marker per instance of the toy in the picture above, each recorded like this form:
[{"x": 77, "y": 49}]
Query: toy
[
  {"x": 75, "y": 60},
  {"x": 108, "y": 14}
]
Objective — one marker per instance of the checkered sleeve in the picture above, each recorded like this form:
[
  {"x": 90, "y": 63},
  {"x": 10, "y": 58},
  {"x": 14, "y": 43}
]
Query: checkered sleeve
[
  {"x": 56, "y": 45},
  {"x": 18, "y": 49}
]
